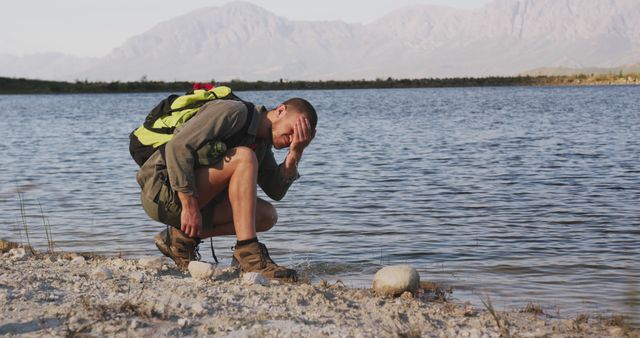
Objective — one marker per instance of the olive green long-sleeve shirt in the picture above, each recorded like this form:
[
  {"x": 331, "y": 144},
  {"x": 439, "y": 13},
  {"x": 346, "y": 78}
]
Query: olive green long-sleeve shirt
[{"x": 217, "y": 120}]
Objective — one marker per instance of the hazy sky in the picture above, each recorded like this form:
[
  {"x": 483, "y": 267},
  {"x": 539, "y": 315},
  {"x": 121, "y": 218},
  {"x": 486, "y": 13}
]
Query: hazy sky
[{"x": 93, "y": 28}]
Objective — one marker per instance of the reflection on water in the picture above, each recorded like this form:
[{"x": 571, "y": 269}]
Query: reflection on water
[{"x": 529, "y": 194}]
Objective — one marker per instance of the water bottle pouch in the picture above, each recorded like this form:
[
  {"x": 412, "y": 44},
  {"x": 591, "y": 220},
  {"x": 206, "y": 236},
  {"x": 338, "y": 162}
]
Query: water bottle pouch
[{"x": 211, "y": 152}]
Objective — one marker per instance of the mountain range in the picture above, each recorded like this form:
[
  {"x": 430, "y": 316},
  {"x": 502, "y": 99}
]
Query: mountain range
[{"x": 243, "y": 41}]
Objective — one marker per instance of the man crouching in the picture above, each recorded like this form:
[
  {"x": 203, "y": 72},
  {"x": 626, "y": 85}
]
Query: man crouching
[{"x": 204, "y": 182}]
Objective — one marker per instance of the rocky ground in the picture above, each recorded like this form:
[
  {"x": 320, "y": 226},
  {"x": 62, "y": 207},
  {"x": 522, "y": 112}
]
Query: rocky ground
[{"x": 83, "y": 295}]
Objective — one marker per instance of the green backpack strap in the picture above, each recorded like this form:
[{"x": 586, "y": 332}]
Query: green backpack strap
[{"x": 173, "y": 111}]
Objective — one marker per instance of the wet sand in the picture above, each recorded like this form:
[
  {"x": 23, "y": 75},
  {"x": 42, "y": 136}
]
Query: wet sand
[{"x": 70, "y": 294}]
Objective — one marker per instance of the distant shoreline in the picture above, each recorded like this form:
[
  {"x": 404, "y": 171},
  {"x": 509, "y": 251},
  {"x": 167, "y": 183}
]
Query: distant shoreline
[{"x": 28, "y": 86}]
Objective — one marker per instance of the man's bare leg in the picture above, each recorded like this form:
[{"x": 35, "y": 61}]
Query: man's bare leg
[
  {"x": 266, "y": 218},
  {"x": 238, "y": 171},
  {"x": 236, "y": 214}
]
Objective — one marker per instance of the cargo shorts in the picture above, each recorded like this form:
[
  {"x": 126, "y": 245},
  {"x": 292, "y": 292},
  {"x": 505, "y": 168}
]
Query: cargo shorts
[{"x": 166, "y": 207}]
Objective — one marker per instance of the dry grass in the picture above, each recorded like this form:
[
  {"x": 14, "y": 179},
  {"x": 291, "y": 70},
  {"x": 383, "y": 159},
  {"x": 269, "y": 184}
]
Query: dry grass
[
  {"x": 129, "y": 308},
  {"x": 327, "y": 285},
  {"x": 23, "y": 225},
  {"x": 620, "y": 321},
  {"x": 5, "y": 245},
  {"x": 437, "y": 292},
  {"x": 502, "y": 323},
  {"x": 23, "y": 216},
  {"x": 91, "y": 312},
  {"x": 615, "y": 320},
  {"x": 532, "y": 308},
  {"x": 403, "y": 331},
  {"x": 47, "y": 230},
  {"x": 581, "y": 319}
]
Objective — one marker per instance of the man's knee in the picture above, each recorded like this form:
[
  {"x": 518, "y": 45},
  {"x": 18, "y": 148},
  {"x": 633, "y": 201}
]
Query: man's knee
[
  {"x": 266, "y": 216},
  {"x": 244, "y": 155}
]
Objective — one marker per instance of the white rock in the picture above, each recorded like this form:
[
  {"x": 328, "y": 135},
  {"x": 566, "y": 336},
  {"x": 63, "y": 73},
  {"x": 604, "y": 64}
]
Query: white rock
[
  {"x": 135, "y": 324},
  {"x": 118, "y": 262},
  {"x": 26, "y": 294},
  {"x": 253, "y": 278},
  {"x": 101, "y": 273},
  {"x": 201, "y": 270},
  {"x": 226, "y": 274},
  {"x": 78, "y": 260},
  {"x": 151, "y": 262},
  {"x": 475, "y": 333},
  {"x": 182, "y": 322},
  {"x": 19, "y": 253},
  {"x": 396, "y": 279},
  {"x": 197, "y": 308},
  {"x": 5, "y": 296},
  {"x": 137, "y": 277}
]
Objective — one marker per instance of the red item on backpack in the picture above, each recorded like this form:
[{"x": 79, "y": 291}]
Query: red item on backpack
[{"x": 205, "y": 86}]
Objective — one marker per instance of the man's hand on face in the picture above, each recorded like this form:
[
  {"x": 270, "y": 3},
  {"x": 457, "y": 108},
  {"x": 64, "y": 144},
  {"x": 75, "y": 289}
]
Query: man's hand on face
[{"x": 302, "y": 135}]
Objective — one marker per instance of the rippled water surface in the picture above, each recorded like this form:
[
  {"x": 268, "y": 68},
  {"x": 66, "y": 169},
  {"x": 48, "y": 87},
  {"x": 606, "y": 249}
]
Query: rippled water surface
[{"x": 524, "y": 194}]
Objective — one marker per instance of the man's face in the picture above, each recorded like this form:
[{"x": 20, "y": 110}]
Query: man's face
[{"x": 282, "y": 130}]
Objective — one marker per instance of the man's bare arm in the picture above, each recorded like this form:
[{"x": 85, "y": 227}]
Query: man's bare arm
[
  {"x": 302, "y": 136},
  {"x": 190, "y": 218}
]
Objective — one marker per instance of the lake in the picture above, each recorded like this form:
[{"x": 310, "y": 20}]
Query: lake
[{"x": 523, "y": 194}]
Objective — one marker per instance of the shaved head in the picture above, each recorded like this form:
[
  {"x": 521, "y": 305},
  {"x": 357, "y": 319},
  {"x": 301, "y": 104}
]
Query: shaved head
[{"x": 303, "y": 106}]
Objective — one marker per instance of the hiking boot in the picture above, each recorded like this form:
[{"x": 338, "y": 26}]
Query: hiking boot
[
  {"x": 254, "y": 257},
  {"x": 176, "y": 245}
]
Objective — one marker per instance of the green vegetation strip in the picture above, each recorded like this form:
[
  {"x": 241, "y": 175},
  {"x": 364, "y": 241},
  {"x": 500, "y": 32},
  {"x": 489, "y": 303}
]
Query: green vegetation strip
[{"x": 27, "y": 86}]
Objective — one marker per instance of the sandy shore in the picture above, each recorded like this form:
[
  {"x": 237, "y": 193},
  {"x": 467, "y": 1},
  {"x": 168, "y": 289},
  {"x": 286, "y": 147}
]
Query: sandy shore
[{"x": 71, "y": 295}]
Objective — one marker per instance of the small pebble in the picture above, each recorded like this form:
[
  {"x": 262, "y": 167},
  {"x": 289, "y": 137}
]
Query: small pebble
[
  {"x": 78, "y": 260},
  {"x": 226, "y": 274},
  {"x": 19, "y": 253},
  {"x": 406, "y": 295},
  {"x": 151, "y": 262},
  {"x": 119, "y": 262},
  {"x": 474, "y": 333},
  {"x": 137, "y": 277},
  {"x": 101, "y": 273},
  {"x": 5, "y": 296},
  {"x": 200, "y": 270},
  {"x": 182, "y": 322},
  {"x": 197, "y": 308},
  {"x": 254, "y": 278}
]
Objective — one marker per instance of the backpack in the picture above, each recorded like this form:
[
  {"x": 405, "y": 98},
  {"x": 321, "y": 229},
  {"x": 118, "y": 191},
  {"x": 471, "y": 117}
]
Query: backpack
[{"x": 169, "y": 114}]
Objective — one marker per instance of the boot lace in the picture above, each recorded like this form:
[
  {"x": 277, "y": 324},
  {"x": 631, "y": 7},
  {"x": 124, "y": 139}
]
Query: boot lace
[
  {"x": 265, "y": 259},
  {"x": 195, "y": 254},
  {"x": 213, "y": 252}
]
